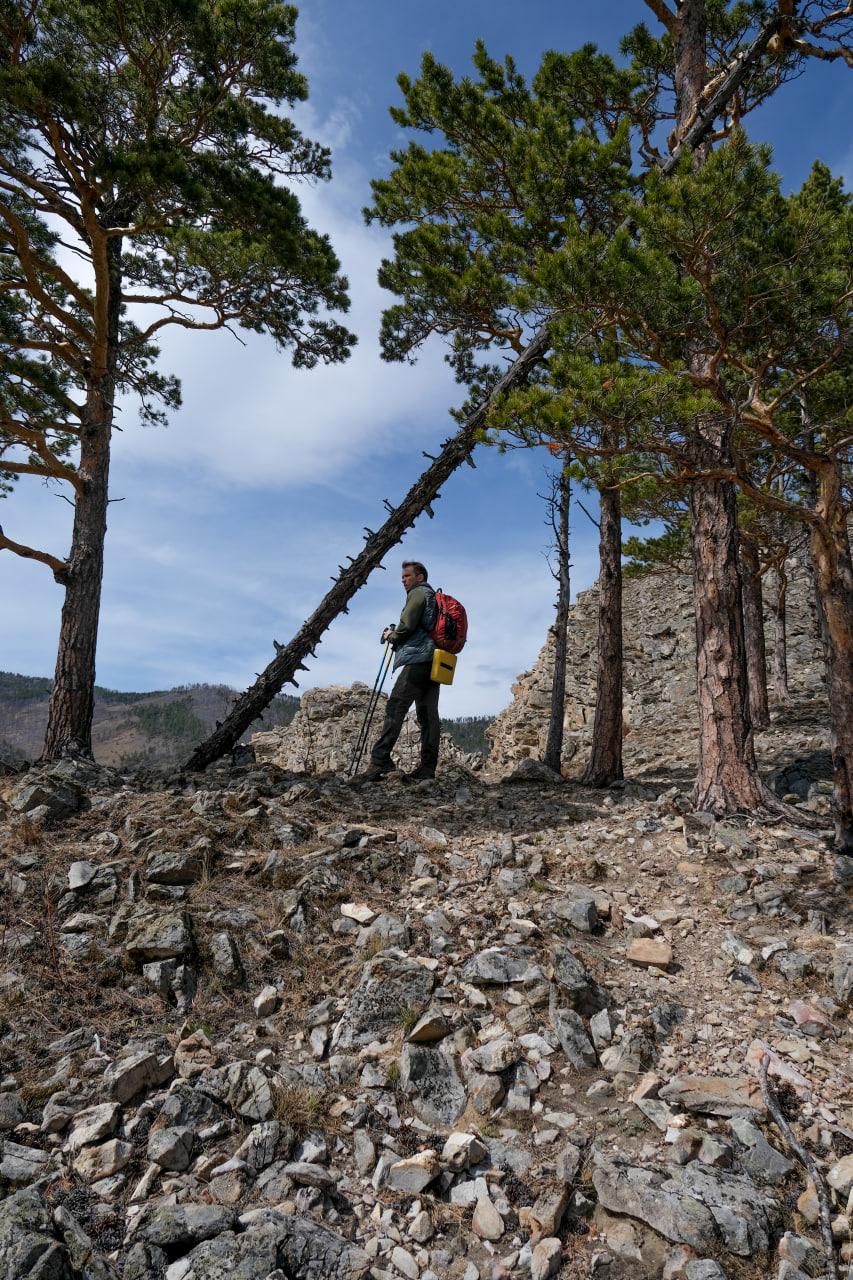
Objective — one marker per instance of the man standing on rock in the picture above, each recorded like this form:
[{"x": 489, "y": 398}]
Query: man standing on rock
[{"x": 413, "y": 649}]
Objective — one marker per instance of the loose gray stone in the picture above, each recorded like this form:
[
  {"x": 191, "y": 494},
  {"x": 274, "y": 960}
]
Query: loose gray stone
[
  {"x": 171, "y": 1148},
  {"x": 574, "y": 1040},
  {"x": 500, "y": 966},
  {"x": 12, "y": 1111},
  {"x": 184, "y": 866},
  {"x": 92, "y": 1125},
  {"x": 160, "y": 936},
  {"x": 142, "y": 1070},
  {"x": 496, "y": 1055},
  {"x": 171, "y": 1225},
  {"x": 429, "y": 1078},
  {"x": 761, "y": 1160},
  {"x": 60, "y": 799},
  {"x": 842, "y": 975},
  {"x": 583, "y": 993},
  {"x": 243, "y": 1086},
  {"x": 225, "y": 959},
  {"x": 21, "y": 1165}
]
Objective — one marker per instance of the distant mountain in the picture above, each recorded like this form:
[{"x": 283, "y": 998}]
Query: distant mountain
[
  {"x": 129, "y": 729},
  {"x": 160, "y": 728}
]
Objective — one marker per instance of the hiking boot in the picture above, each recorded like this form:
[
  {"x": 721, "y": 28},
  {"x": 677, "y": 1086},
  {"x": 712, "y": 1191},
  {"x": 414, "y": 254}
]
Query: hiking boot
[
  {"x": 375, "y": 773},
  {"x": 421, "y": 774}
]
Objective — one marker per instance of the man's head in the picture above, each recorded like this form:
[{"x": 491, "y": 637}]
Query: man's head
[{"x": 413, "y": 574}]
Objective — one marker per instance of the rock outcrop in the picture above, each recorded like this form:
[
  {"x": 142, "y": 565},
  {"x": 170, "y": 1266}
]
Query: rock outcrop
[
  {"x": 660, "y": 715},
  {"x": 323, "y": 733}
]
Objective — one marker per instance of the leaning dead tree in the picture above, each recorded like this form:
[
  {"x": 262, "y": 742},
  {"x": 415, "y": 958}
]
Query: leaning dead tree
[{"x": 291, "y": 657}]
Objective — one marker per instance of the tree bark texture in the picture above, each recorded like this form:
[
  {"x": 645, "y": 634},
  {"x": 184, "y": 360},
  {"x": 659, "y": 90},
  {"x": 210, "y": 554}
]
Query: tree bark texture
[
  {"x": 71, "y": 707},
  {"x": 605, "y": 763},
  {"x": 830, "y": 551},
  {"x": 778, "y": 607},
  {"x": 553, "y": 757},
  {"x": 753, "y": 626},
  {"x": 727, "y": 779}
]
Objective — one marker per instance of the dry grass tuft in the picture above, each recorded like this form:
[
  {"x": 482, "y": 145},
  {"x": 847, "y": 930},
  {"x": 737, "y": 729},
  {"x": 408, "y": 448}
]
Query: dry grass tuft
[{"x": 304, "y": 1110}]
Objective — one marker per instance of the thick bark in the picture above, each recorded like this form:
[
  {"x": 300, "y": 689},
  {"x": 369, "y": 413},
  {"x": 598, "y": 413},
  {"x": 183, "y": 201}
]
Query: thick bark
[
  {"x": 69, "y": 721},
  {"x": 753, "y": 626},
  {"x": 553, "y": 757},
  {"x": 727, "y": 779},
  {"x": 830, "y": 551},
  {"x": 605, "y": 763},
  {"x": 778, "y": 608}
]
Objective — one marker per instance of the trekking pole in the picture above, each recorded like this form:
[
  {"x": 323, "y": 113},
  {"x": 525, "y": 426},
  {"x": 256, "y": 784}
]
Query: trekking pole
[
  {"x": 364, "y": 734},
  {"x": 372, "y": 710},
  {"x": 361, "y": 740}
]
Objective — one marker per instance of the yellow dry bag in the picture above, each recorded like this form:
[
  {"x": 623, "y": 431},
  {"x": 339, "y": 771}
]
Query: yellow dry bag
[{"x": 443, "y": 667}]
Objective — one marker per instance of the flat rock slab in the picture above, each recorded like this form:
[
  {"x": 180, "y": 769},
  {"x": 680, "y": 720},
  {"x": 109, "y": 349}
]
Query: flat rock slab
[
  {"x": 429, "y": 1078},
  {"x": 650, "y": 953},
  {"x": 713, "y": 1095},
  {"x": 181, "y": 866},
  {"x": 389, "y": 989},
  {"x": 171, "y": 1225},
  {"x": 159, "y": 935},
  {"x": 697, "y": 1206},
  {"x": 20, "y": 1165}
]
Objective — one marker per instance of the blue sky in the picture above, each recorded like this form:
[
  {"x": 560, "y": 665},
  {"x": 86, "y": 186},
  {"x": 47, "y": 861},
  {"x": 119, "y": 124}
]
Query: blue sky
[{"x": 230, "y": 521}]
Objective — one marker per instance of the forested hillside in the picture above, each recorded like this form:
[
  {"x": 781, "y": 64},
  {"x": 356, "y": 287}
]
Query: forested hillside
[{"x": 129, "y": 728}]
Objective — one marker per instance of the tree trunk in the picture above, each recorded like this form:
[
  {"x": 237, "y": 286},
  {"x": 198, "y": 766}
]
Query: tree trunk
[
  {"x": 727, "y": 780},
  {"x": 753, "y": 626},
  {"x": 778, "y": 608},
  {"x": 554, "y": 746},
  {"x": 830, "y": 549},
  {"x": 605, "y": 764},
  {"x": 72, "y": 699}
]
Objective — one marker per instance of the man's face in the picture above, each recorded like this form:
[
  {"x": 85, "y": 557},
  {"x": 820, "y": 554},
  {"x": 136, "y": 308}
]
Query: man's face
[{"x": 411, "y": 577}]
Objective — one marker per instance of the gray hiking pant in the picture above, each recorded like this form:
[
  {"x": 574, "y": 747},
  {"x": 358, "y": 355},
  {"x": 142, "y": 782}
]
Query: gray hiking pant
[{"x": 413, "y": 685}]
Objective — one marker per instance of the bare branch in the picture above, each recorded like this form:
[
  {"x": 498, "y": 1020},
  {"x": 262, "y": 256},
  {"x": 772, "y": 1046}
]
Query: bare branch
[
  {"x": 58, "y": 567},
  {"x": 663, "y": 14},
  {"x": 806, "y": 1160}
]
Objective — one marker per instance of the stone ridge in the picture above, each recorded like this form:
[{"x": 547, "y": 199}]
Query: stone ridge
[{"x": 660, "y": 716}]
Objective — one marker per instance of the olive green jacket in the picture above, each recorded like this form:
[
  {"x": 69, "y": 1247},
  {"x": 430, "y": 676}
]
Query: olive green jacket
[{"x": 411, "y": 640}]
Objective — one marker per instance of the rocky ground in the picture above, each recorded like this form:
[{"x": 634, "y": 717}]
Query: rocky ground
[{"x": 276, "y": 1027}]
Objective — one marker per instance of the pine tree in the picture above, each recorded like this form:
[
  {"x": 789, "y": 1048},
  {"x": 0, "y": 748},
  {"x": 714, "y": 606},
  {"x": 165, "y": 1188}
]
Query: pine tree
[{"x": 146, "y": 141}]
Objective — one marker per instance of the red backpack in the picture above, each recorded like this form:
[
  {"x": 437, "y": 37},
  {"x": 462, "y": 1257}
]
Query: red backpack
[{"x": 451, "y": 624}]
